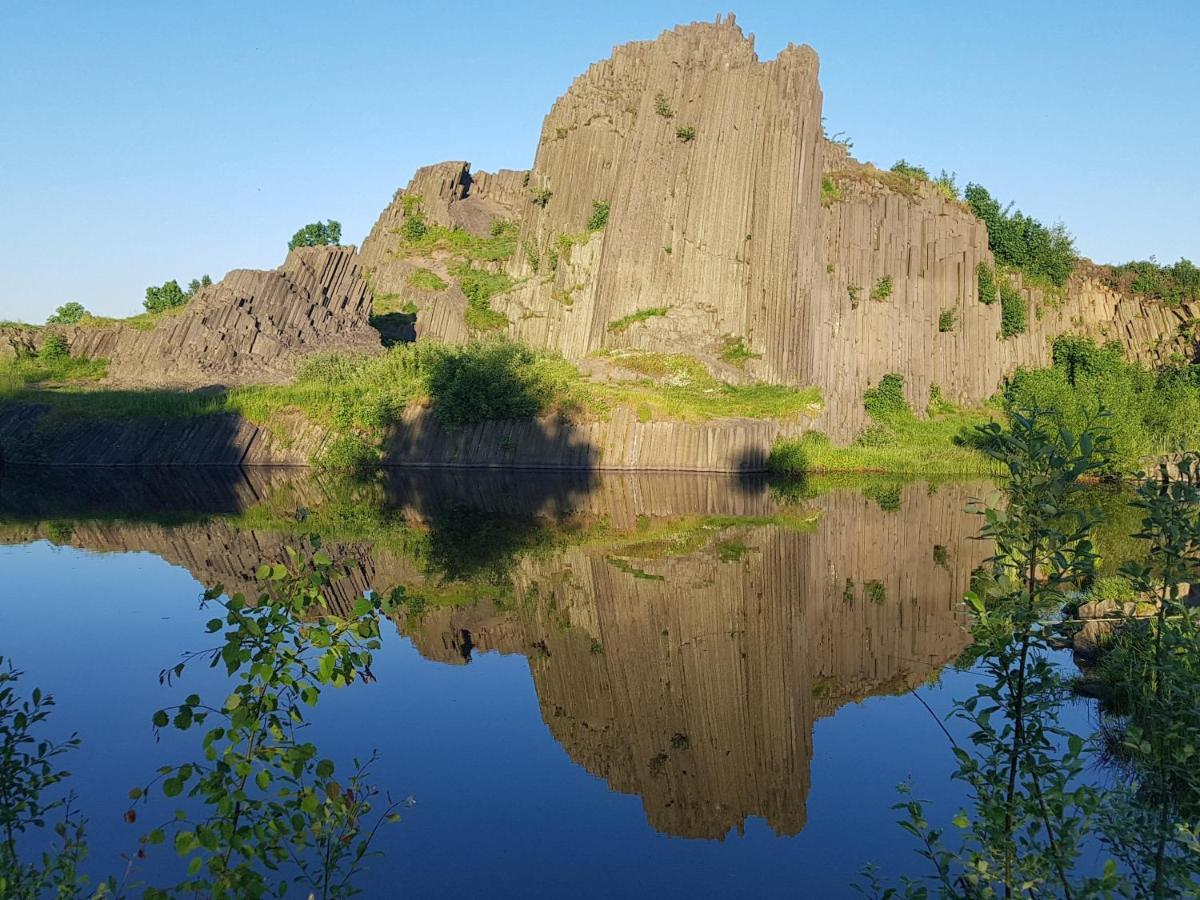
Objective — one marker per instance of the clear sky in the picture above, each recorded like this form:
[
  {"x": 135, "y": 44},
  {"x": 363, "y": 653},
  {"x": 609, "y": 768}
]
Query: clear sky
[{"x": 161, "y": 139}]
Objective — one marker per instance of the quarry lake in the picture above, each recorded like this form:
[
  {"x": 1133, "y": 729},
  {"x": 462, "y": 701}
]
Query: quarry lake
[{"x": 633, "y": 685}]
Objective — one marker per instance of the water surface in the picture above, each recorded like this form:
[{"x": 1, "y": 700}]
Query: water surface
[{"x": 617, "y": 685}]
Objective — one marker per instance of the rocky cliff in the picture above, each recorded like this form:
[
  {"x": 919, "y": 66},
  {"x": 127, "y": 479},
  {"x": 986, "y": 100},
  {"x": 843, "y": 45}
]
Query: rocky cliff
[
  {"x": 711, "y": 162},
  {"x": 252, "y": 327}
]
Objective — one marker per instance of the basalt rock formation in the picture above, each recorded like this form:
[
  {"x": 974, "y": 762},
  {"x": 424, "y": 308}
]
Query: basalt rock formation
[
  {"x": 711, "y": 163},
  {"x": 252, "y": 327}
]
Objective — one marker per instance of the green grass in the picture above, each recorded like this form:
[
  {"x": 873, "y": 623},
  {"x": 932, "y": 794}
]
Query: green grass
[
  {"x": 897, "y": 441},
  {"x": 426, "y": 280},
  {"x": 16, "y": 374},
  {"x": 618, "y": 325},
  {"x": 480, "y": 286},
  {"x": 678, "y": 387},
  {"x": 500, "y": 245},
  {"x": 735, "y": 351}
]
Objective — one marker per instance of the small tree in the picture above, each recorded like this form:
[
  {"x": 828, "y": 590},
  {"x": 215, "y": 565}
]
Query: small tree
[
  {"x": 67, "y": 314},
  {"x": 317, "y": 234},
  {"x": 195, "y": 285},
  {"x": 169, "y": 296}
]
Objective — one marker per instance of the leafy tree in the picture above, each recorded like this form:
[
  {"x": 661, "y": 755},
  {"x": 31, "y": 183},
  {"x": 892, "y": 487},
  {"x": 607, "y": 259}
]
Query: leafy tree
[
  {"x": 317, "y": 234},
  {"x": 168, "y": 296},
  {"x": 195, "y": 285},
  {"x": 1023, "y": 242},
  {"x": 67, "y": 314}
]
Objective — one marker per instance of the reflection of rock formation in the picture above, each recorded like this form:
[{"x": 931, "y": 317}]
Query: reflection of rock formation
[
  {"x": 694, "y": 680},
  {"x": 683, "y": 633}
]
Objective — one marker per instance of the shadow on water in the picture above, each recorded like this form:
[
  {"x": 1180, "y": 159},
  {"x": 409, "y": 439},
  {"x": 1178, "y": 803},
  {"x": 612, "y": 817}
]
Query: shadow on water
[{"x": 683, "y": 633}]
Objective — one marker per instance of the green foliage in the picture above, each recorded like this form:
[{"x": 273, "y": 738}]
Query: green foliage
[
  {"x": 274, "y": 810},
  {"x": 662, "y": 106},
  {"x": 903, "y": 168},
  {"x": 1014, "y": 310},
  {"x": 196, "y": 285},
  {"x": 988, "y": 286},
  {"x": 168, "y": 296},
  {"x": 413, "y": 228},
  {"x": 426, "y": 280},
  {"x": 317, "y": 234},
  {"x": 618, "y": 325},
  {"x": 492, "y": 380},
  {"x": 423, "y": 239},
  {"x": 882, "y": 289},
  {"x": 599, "y": 216},
  {"x": 480, "y": 286},
  {"x": 348, "y": 452},
  {"x": 67, "y": 314},
  {"x": 831, "y": 192},
  {"x": 685, "y": 134},
  {"x": 1029, "y": 816},
  {"x": 734, "y": 350},
  {"x": 946, "y": 320},
  {"x": 29, "y": 771},
  {"x": 531, "y": 255},
  {"x": 1111, "y": 588},
  {"x": 1174, "y": 284},
  {"x": 54, "y": 349},
  {"x": 854, "y": 292},
  {"x": 1023, "y": 242},
  {"x": 947, "y": 185},
  {"x": 540, "y": 196},
  {"x": 1153, "y": 412},
  {"x": 885, "y": 402}
]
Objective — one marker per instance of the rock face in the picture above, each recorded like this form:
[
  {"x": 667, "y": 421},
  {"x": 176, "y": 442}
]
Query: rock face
[
  {"x": 251, "y": 327},
  {"x": 712, "y": 164}
]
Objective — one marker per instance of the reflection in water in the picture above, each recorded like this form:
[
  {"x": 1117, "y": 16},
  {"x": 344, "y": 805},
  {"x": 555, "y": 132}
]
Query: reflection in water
[{"x": 683, "y": 633}]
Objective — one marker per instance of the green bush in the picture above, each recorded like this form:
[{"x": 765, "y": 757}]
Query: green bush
[
  {"x": 685, "y": 134},
  {"x": 348, "y": 452},
  {"x": 662, "y": 107},
  {"x": 885, "y": 402},
  {"x": 426, "y": 280},
  {"x": 988, "y": 288},
  {"x": 946, "y": 320},
  {"x": 1152, "y": 412},
  {"x": 882, "y": 288},
  {"x": 541, "y": 196},
  {"x": 317, "y": 234},
  {"x": 1014, "y": 313},
  {"x": 168, "y": 296},
  {"x": 67, "y": 314},
  {"x": 414, "y": 228},
  {"x": 479, "y": 286},
  {"x": 1174, "y": 284},
  {"x": 903, "y": 168},
  {"x": 599, "y": 217},
  {"x": 734, "y": 350},
  {"x": 53, "y": 348},
  {"x": 492, "y": 380},
  {"x": 1115, "y": 588},
  {"x": 1023, "y": 242},
  {"x": 947, "y": 186},
  {"x": 830, "y": 192}
]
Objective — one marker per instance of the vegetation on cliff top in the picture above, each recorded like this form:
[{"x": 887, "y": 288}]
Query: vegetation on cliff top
[
  {"x": 1020, "y": 241},
  {"x": 317, "y": 234}
]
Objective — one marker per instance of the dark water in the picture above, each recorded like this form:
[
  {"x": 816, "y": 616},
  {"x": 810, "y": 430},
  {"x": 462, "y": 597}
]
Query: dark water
[{"x": 617, "y": 686}]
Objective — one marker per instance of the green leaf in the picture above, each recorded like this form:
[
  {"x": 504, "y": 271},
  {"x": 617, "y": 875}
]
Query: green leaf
[
  {"x": 263, "y": 779},
  {"x": 161, "y": 719},
  {"x": 324, "y": 768}
]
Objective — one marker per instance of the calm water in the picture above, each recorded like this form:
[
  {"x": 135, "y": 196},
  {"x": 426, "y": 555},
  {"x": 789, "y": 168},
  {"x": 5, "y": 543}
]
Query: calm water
[{"x": 618, "y": 686}]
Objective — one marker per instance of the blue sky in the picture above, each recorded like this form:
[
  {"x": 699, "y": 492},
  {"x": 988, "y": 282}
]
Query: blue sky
[{"x": 155, "y": 140}]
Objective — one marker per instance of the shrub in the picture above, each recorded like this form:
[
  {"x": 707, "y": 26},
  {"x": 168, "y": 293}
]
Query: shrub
[
  {"x": 492, "y": 380},
  {"x": 196, "y": 285},
  {"x": 853, "y": 291},
  {"x": 1023, "y": 242},
  {"x": 67, "y": 314},
  {"x": 947, "y": 186},
  {"x": 903, "y": 168},
  {"x": 885, "y": 401},
  {"x": 685, "y": 133},
  {"x": 1014, "y": 313},
  {"x": 986, "y": 276},
  {"x": 946, "y": 320},
  {"x": 621, "y": 324},
  {"x": 348, "y": 452},
  {"x": 830, "y": 192},
  {"x": 317, "y": 234},
  {"x": 480, "y": 286},
  {"x": 1174, "y": 284},
  {"x": 599, "y": 216},
  {"x": 54, "y": 348},
  {"x": 662, "y": 107},
  {"x": 541, "y": 196},
  {"x": 882, "y": 289},
  {"x": 414, "y": 228},
  {"x": 1114, "y": 588}
]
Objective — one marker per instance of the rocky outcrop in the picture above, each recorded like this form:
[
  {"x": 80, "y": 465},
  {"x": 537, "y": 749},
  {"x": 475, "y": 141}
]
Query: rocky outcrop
[
  {"x": 712, "y": 163},
  {"x": 252, "y": 327}
]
